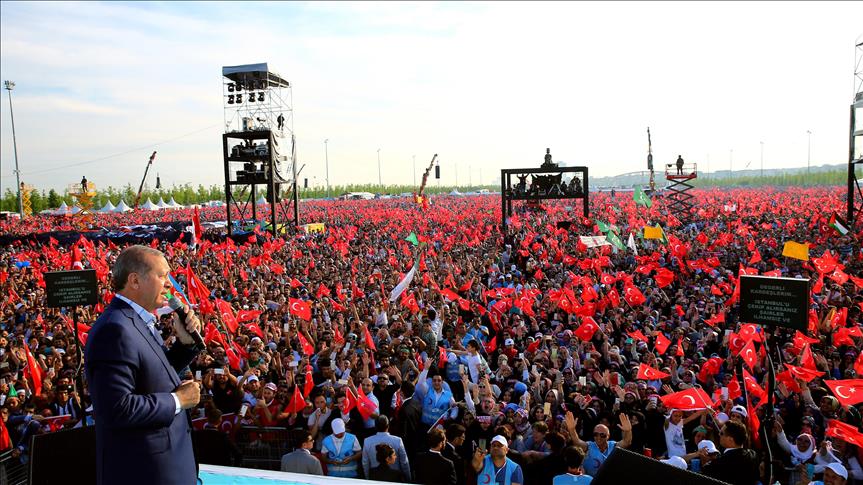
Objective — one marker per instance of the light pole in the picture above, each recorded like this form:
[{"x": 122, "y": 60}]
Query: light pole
[
  {"x": 9, "y": 85},
  {"x": 762, "y": 159},
  {"x": 327, "y": 158},
  {"x": 379, "y": 168},
  {"x": 808, "y": 149}
]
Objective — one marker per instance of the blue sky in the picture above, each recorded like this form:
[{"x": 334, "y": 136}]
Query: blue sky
[{"x": 485, "y": 85}]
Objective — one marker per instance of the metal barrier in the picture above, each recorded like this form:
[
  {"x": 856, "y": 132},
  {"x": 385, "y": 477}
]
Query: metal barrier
[
  {"x": 263, "y": 447},
  {"x": 12, "y": 470}
]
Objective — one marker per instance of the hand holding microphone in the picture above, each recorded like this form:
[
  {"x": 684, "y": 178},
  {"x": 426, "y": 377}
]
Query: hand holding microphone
[{"x": 186, "y": 324}]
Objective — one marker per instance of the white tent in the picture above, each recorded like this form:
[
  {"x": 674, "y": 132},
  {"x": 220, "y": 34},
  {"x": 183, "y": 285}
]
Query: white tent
[
  {"x": 109, "y": 207},
  {"x": 122, "y": 207},
  {"x": 455, "y": 192},
  {"x": 149, "y": 206},
  {"x": 161, "y": 204},
  {"x": 62, "y": 210},
  {"x": 75, "y": 209},
  {"x": 261, "y": 200},
  {"x": 173, "y": 203}
]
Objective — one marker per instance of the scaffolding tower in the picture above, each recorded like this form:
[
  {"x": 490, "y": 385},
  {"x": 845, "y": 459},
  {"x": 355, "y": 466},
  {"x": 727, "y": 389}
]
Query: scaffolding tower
[
  {"x": 679, "y": 198},
  {"x": 259, "y": 149},
  {"x": 855, "y": 145}
]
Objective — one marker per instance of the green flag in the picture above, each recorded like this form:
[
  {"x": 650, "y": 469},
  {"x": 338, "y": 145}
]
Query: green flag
[
  {"x": 603, "y": 227},
  {"x": 615, "y": 239},
  {"x": 412, "y": 238},
  {"x": 12, "y": 391},
  {"x": 641, "y": 198}
]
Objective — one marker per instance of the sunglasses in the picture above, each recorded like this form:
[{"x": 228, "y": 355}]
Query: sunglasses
[{"x": 601, "y": 435}]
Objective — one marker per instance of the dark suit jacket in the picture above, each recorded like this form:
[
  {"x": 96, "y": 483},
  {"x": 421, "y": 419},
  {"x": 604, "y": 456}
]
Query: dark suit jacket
[
  {"x": 383, "y": 473},
  {"x": 452, "y": 454},
  {"x": 407, "y": 425},
  {"x": 139, "y": 439},
  {"x": 737, "y": 467},
  {"x": 433, "y": 469}
]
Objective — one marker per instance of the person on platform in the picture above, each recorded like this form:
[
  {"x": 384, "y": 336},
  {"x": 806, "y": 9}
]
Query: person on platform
[
  {"x": 143, "y": 434},
  {"x": 301, "y": 459},
  {"x": 679, "y": 164}
]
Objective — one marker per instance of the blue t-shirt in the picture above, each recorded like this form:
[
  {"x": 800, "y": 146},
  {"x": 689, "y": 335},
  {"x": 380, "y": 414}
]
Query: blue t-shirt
[{"x": 570, "y": 479}]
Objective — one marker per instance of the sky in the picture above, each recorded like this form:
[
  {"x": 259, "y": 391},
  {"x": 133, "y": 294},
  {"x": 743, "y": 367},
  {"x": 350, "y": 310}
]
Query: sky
[{"x": 487, "y": 86}]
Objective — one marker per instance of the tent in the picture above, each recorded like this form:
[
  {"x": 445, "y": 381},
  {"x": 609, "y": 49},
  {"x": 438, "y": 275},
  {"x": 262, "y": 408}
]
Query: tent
[
  {"x": 74, "y": 209},
  {"x": 173, "y": 203},
  {"x": 62, "y": 210},
  {"x": 455, "y": 192},
  {"x": 161, "y": 204},
  {"x": 122, "y": 207},
  {"x": 261, "y": 200},
  {"x": 109, "y": 207},
  {"x": 149, "y": 206}
]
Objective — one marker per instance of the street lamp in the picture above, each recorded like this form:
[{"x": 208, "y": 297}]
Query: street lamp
[
  {"x": 808, "y": 149},
  {"x": 9, "y": 85},
  {"x": 327, "y": 158},
  {"x": 379, "y": 168}
]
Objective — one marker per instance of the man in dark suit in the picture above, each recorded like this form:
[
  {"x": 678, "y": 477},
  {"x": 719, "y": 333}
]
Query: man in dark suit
[
  {"x": 143, "y": 433},
  {"x": 455, "y": 434},
  {"x": 431, "y": 467},
  {"x": 737, "y": 465},
  {"x": 407, "y": 422}
]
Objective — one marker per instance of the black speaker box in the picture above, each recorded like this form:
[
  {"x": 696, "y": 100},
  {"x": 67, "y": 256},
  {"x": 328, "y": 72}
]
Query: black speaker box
[
  {"x": 63, "y": 457},
  {"x": 624, "y": 466}
]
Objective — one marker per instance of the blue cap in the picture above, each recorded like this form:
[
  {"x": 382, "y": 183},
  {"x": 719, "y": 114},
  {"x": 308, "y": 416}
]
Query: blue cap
[{"x": 520, "y": 387}]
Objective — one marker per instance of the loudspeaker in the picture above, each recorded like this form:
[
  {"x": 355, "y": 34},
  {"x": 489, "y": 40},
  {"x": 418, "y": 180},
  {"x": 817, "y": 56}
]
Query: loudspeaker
[
  {"x": 63, "y": 457},
  {"x": 624, "y": 466},
  {"x": 305, "y": 183},
  {"x": 437, "y": 171}
]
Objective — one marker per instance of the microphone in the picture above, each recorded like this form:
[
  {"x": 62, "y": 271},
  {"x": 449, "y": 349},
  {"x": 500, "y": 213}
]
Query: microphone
[{"x": 178, "y": 308}]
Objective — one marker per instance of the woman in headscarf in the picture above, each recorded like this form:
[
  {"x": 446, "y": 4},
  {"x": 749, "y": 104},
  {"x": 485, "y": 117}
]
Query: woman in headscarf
[{"x": 800, "y": 452}]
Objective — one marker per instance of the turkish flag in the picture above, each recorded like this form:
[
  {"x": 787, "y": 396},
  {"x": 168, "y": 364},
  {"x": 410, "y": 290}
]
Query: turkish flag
[
  {"x": 800, "y": 339},
  {"x": 350, "y": 401},
  {"x": 301, "y": 309},
  {"x": 256, "y": 329},
  {"x": 614, "y": 297},
  {"x": 248, "y": 315},
  {"x": 309, "y": 382},
  {"x": 849, "y": 391},
  {"x": 587, "y": 329},
  {"x": 633, "y": 296},
  {"x": 690, "y": 399},
  {"x": 322, "y": 291},
  {"x": 663, "y": 277},
  {"x": 370, "y": 343},
  {"x": 715, "y": 319},
  {"x": 297, "y": 402},
  {"x": 752, "y": 386},
  {"x": 649, "y": 373},
  {"x": 844, "y": 432},
  {"x": 535, "y": 345},
  {"x": 803, "y": 373},
  {"x": 751, "y": 331},
  {"x": 366, "y": 406},
  {"x": 308, "y": 348},
  {"x": 749, "y": 355},
  {"x": 295, "y": 283},
  {"x": 662, "y": 343},
  {"x": 637, "y": 335},
  {"x": 806, "y": 358},
  {"x": 790, "y": 382},
  {"x": 33, "y": 371},
  {"x": 442, "y": 358},
  {"x": 858, "y": 364}
]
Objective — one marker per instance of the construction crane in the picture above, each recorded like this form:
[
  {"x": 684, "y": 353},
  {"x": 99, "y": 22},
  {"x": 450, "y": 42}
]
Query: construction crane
[
  {"x": 141, "y": 187},
  {"x": 650, "y": 161}
]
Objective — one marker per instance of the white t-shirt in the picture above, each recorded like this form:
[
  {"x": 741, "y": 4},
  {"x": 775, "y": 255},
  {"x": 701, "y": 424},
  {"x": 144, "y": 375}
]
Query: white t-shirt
[{"x": 674, "y": 439}]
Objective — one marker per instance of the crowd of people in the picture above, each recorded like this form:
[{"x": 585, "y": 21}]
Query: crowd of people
[{"x": 517, "y": 358}]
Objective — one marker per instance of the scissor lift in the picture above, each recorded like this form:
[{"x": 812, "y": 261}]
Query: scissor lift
[{"x": 679, "y": 198}]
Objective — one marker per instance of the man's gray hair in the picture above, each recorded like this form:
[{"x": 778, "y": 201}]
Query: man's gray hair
[{"x": 133, "y": 259}]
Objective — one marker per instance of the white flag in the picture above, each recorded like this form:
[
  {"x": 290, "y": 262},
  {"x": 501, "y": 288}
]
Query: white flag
[
  {"x": 594, "y": 241},
  {"x": 631, "y": 244},
  {"x": 405, "y": 282}
]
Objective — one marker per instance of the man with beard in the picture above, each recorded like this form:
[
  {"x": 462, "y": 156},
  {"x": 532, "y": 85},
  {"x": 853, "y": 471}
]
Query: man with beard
[{"x": 496, "y": 467}]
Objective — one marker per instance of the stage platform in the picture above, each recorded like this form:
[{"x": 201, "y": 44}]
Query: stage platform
[{"x": 224, "y": 475}]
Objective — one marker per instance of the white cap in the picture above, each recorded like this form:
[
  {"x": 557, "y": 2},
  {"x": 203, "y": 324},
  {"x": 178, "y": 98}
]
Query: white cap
[
  {"x": 838, "y": 469},
  {"x": 338, "y": 426},
  {"x": 740, "y": 410},
  {"x": 676, "y": 462},
  {"x": 508, "y": 341},
  {"x": 721, "y": 418},
  {"x": 252, "y": 378},
  {"x": 707, "y": 445},
  {"x": 500, "y": 439}
]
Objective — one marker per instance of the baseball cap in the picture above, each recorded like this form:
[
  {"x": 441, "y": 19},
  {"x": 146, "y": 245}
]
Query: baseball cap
[
  {"x": 500, "y": 439},
  {"x": 707, "y": 445},
  {"x": 740, "y": 410},
  {"x": 676, "y": 462},
  {"x": 838, "y": 469},
  {"x": 508, "y": 342},
  {"x": 252, "y": 378},
  {"x": 338, "y": 426},
  {"x": 271, "y": 387}
]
